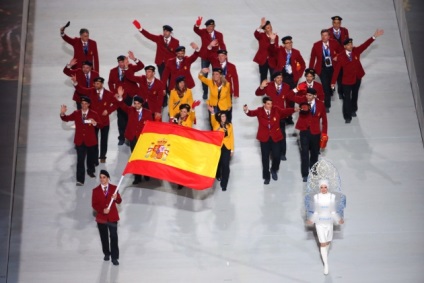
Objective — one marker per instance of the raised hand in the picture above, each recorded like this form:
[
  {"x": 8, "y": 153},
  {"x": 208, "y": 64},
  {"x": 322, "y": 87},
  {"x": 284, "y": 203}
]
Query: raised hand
[
  {"x": 378, "y": 32},
  {"x": 263, "y": 21},
  {"x": 205, "y": 70},
  {"x": 137, "y": 24},
  {"x": 63, "y": 109},
  {"x": 131, "y": 55},
  {"x": 195, "y": 104},
  {"x": 264, "y": 84},
  {"x": 73, "y": 62},
  {"x": 245, "y": 108},
  {"x": 194, "y": 45},
  {"x": 199, "y": 21}
]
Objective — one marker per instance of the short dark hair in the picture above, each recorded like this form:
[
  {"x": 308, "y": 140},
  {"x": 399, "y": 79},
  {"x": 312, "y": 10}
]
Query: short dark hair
[
  {"x": 266, "y": 99},
  {"x": 185, "y": 106},
  {"x": 84, "y": 30},
  {"x": 324, "y": 31}
]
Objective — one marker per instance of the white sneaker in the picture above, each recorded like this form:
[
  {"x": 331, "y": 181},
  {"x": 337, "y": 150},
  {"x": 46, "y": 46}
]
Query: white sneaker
[{"x": 325, "y": 269}]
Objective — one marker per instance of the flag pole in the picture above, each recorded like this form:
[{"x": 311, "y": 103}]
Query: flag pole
[{"x": 116, "y": 191}]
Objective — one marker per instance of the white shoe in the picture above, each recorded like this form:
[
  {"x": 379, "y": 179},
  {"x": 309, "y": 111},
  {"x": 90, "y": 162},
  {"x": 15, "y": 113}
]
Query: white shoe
[{"x": 325, "y": 269}]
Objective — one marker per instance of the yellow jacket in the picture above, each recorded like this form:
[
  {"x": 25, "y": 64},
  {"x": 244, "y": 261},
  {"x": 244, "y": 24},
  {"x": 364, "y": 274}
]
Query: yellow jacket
[
  {"x": 175, "y": 101},
  {"x": 224, "y": 102},
  {"x": 229, "y": 139},
  {"x": 189, "y": 121}
]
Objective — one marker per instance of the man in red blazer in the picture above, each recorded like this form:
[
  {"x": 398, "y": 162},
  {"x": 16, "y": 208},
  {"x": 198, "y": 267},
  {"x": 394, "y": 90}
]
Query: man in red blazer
[
  {"x": 165, "y": 44},
  {"x": 152, "y": 90},
  {"x": 337, "y": 32},
  {"x": 323, "y": 59},
  {"x": 107, "y": 218},
  {"x": 85, "y": 49},
  {"x": 137, "y": 117},
  {"x": 116, "y": 79},
  {"x": 85, "y": 76},
  {"x": 229, "y": 70},
  {"x": 208, "y": 35},
  {"x": 180, "y": 66},
  {"x": 340, "y": 34},
  {"x": 353, "y": 72},
  {"x": 104, "y": 103},
  {"x": 277, "y": 91},
  {"x": 269, "y": 135},
  {"x": 85, "y": 139},
  {"x": 312, "y": 124},
  {"x": 311, "y": 83},
  {"x": 262, "y": 56},
  {"x": 290, "y": 62}
]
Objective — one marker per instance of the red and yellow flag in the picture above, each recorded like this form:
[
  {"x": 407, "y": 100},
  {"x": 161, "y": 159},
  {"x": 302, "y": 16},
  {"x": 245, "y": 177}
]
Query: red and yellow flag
[{"x": 178, "y": 154}]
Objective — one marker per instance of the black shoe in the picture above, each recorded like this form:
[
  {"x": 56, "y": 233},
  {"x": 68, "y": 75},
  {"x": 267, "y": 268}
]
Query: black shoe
[
  {"x": 289, "y": 122},
  {"x": 205, "y": 96},
  {"x": 121, "y": 142},
  {"x": 283, "y": 157},
  {"x": 305, "y": 179},
  {"x": 180, "y": 187},
  {"x": 348, "y": 121},
  {"x": 91, "y": 175},
  {"x": 274, "y": 175},
  {"x": 106, "y": 258},
  {"x": 115, "y": 262},
  {"x": 266, "y": 182},
  {"x": 353, "y": 114},
  {"x": 223, "y": 188},
  {"x": 147, "y": 178},
  {"x": 79, "y": 184},
  {"x": 327, "y": 109},
  {"x": 96, "y": 164},
  {"x": 341, "y": 96}
]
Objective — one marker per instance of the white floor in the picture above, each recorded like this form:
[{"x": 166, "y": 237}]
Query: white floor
[{"x": 252, "y": 232}]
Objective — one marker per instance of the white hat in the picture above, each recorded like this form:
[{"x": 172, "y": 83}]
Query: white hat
[{"x": 323, "y": 182}]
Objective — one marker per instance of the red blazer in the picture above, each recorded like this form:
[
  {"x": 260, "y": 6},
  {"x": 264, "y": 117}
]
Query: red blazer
[
  {"x": 262, "y": 55},
  {"x": 163, "y": 52},
  {"x": 130, "y": 87},
  {"x": 81, "y": 79},
  {"x": 352, "y": 70},
  {"x": 92, "y": 54},
  {"x": 309, "y": 121},
  {"x": 296, "y": 61},
  {"x": 107, "y": 103},
  {"x": 84, "y": 133},
  {"x": 230, "y": 73},
  {"x": 274, "y": 131},
  {"x": 317, "y": 54},
  {"x": 100, "y": 201},
  {"x": 279, "y": 100},
  {"x": 184, "y": 70},
  {"x": 134, "y": 126},
  {"x": 153, "y": 95},
  {"x": 344, "y": 34},
  {"x": 315, "y": 85},
  {"x": 206, "y": 39}
]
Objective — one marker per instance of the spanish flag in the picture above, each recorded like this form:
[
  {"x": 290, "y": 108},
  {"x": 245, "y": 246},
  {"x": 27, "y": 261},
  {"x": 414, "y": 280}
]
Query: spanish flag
[{"x": 178, "y": 154}]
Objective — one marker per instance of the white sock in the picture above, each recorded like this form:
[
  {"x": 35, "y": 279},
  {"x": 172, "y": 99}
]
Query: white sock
[{"x": 324, "y": 255}]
